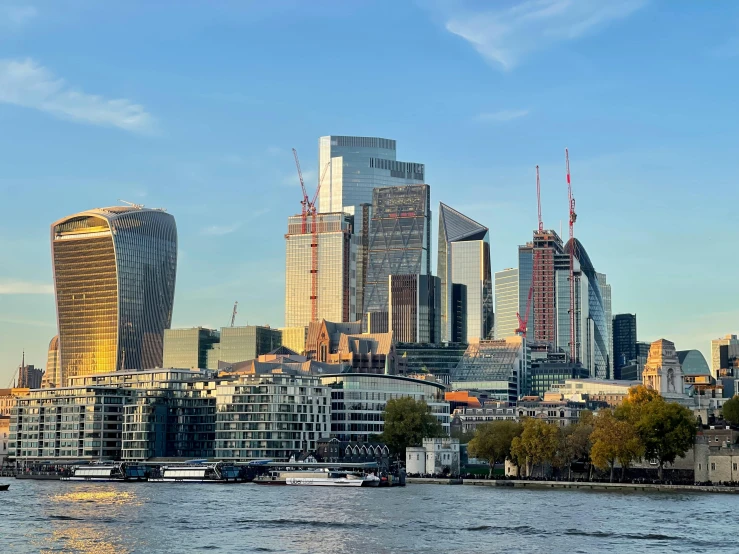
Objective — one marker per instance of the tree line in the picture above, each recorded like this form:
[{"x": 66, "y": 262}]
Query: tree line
[{"x": 644, "y": 426}]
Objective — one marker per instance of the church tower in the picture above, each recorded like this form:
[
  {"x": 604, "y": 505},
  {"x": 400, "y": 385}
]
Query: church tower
[{"x": 662, "y": 371}]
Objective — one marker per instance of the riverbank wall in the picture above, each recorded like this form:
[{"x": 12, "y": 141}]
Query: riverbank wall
[{"x": 572, "y": 485}]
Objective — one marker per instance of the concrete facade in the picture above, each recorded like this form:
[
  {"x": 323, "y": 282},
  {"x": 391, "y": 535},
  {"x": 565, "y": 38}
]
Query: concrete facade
[{"x": 436, "y": 456}]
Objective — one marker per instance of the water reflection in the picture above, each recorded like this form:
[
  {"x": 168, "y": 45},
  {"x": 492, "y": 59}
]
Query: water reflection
[{"x": 81, "y": 520}]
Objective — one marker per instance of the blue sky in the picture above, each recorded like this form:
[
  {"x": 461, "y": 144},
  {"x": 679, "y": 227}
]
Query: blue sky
[{"x": 194, "y": 106}]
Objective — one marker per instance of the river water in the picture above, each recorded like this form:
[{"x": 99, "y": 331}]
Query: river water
[{"x": 107, "y": 518}]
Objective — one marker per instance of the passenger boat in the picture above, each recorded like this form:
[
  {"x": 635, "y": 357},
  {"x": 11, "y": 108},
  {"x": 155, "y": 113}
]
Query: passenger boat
[
  {"x": 122, "y": 471},
  {"x": 312, "y": 474},
  {"x": 4, "y": 487},
  {"x": 201, "y": 472}
]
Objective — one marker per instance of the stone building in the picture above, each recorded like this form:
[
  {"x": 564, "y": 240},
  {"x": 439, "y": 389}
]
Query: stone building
[
  {"x": 435, "y": 457},
  {"x": 662, "y": 371}
]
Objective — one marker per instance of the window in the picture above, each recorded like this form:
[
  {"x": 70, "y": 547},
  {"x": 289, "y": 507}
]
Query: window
[
  {"x": 734, "y": 467},
  {"x": 713, "y": 467}
]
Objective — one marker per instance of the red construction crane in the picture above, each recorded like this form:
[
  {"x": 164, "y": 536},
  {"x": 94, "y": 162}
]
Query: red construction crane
[
  {"x": 573, "y": 218},
  {"x": 309, "y": 208},
  {"x": 523, "y": 322}
]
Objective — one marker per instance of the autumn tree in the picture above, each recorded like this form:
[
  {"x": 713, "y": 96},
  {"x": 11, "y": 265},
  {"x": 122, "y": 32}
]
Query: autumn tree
[
  {"x": 537, "y": 444},
  {"x": 492, "y": 442},
  {"x": 575, "y": 443},
  {"x": 666, "y": 429},
  {"x": 614, "y": 439},
  {"x": 731, "y": 410},
  {"x": 407, "y": 422}
]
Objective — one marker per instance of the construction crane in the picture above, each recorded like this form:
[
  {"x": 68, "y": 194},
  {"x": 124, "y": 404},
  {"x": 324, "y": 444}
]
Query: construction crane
[
  {"x": 233, "y": 314},
  {"x": 573, "y": 218},
  {"x": 309, "y": 209},
  {"x": 523, "y": 322},
  {"x": 137, "y": 206}
]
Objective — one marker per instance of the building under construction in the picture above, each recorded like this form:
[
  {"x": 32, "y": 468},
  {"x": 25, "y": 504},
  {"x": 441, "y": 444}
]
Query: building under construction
[{"x": 334, "y": 284}]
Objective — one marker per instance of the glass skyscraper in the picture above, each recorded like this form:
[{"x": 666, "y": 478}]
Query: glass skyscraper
[
  {"x": 605, "y": 290},
  {"x": 114, "y": 276},
  {"x": 336, "y": 294},
  {"x": 506, "y": 303},
  {"x": 399, "y": 244},
  {"x": 355, "y": 166},
  {"x": 624, "y": 342},
  {"x": 414, "y": 308},
  {"x": 464, "y": 258}
]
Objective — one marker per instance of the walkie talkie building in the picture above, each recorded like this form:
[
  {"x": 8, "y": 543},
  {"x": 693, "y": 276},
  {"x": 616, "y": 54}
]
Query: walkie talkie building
[{"x": 114, "y": 278}]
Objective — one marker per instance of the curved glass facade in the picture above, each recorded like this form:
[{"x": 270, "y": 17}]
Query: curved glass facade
[
  {"x": 358, "y": 402},
  {"x": 591, "y": 327},
  {"x": 114, "y": 276}
]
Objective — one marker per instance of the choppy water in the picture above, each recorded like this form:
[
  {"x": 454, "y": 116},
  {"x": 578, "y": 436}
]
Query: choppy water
[{"x": 53, "y": 516}]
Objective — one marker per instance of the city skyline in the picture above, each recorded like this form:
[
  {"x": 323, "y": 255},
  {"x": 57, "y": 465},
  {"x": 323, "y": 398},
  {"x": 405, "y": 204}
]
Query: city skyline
[{"x": 479, "y": 127}]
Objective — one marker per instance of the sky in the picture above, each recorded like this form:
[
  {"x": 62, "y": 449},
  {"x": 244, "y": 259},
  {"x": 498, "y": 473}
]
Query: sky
[{"x": 194, "y": 106}]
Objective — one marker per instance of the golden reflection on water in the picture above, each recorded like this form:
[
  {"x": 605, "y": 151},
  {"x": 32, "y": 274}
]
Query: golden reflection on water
[
  {"x": 81, "y": 521},
  {"x": 105, "y": 497}
]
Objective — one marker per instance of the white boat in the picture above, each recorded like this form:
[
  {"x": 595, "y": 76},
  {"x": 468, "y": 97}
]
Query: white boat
[
  {"x": 199, "y": 473},
  {"x": 319, "y": 477},
  {"x": 107, "y": 472}
]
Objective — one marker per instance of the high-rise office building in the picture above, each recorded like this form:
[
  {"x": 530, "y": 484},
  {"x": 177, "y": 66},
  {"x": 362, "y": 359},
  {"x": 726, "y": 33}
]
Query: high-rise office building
[
  {"x": 188, "y": 348},
  {"x": 399, "y": 244},
  {"x": 591, "y": 332},
  {"x": 506, "y": 303},
  {"x": 52, "y": 376},
  {"x": 114, "y": 275},
  {"x": 355, "y": 166},
  {"x": 624, "y": 342},
  {"x": 605, "y": 290},
  {"x": 525, "y": 277},
  {"x": 294, "y": 338},
  {"x": 240, "y": 344},
  {"x": 464, "y": 257},
  {"x": 336, "y": 257},
  {"x": 458, "y": 313},
  {"x": 352, "y": 167},
  {"x": 731, "y": 342},
  {"x": 415, "y": 308}
]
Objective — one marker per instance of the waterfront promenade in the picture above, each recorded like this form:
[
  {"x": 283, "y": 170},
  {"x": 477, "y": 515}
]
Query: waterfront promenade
[{"x": 574, "y": 485}]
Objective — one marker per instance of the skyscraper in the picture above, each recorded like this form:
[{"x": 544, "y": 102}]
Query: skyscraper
[
  {"x": 506, "y": 303},
  {"x": 240, "y": 344},
  {"x": 415, "y": 308},
  {"x": 464, "y": 258},
  {"x": 624, "y": 342},
  {"x": 114, "y": 276},
  {"x": 52, "y": 376},
  {"x": 591, "y": 332},
  {"x": 352, "y": 167},
  {"x": 399, "y": 244},
  {"x": 336, "y": 255},
  {"x": 355, "y": 166},
  {"x": 605, "y": 290}
]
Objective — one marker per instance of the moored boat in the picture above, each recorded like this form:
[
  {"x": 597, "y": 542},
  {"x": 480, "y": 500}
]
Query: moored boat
[
  {"x": 321, "y": 475},
  {"x": 202, "y": 472},
  {"x": 4, "y": 487},
  {"x": 121, "y": 471}
]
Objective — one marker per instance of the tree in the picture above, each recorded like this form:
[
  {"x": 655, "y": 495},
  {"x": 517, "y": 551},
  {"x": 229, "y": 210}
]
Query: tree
[
  {"x": 614, "y": 439},
  {"x": 731, "y": 410},
  {"x": 536, "y": 445},
  {"x": 575, "y": 442},
  {"x": 667, "y": 431},
  {"x": 492, "y": 442},
  {"x": 407, "y": 423}
]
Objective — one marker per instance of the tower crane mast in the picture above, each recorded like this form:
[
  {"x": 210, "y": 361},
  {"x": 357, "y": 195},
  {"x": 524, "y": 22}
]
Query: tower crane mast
[
  {"x": 572, "y": 219},
  {"x": 523, "y": 322}
]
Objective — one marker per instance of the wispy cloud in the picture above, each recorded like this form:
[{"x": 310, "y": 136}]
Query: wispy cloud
[
  {"x": 220, "y": 230},
  {"x": 13, "y": 16},
  {"x": 28, "y": 84},
  {"x": 24, "y": 287},
  {"x": 502, "y": 115},
  {"x": 309, "y": 177},
  {"x": 505, "y": 36}
]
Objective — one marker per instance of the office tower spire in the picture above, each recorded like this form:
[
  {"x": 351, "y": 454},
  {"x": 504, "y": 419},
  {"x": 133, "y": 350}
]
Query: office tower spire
[{"x": 114, "y": 276}]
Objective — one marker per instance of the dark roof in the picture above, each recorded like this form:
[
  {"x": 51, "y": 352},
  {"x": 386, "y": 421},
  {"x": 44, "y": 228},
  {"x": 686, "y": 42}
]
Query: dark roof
[
  {"x": 459, "y": 227},
  {"x": 284, "y": 351}
]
